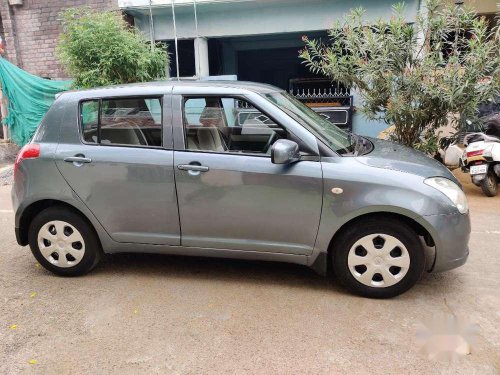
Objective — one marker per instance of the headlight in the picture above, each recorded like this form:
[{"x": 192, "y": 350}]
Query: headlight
[{"x": 451, "y": 190}]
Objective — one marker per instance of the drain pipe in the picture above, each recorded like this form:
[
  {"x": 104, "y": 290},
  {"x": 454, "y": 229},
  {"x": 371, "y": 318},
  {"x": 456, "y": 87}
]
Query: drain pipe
[
  {"x": 197, "y": 48},
  {"x": 151, "y": 27},
  {"x": 4, "y": 112},
  {"x": 175, "y": 40},
  {"x": 17, "y": 48}
]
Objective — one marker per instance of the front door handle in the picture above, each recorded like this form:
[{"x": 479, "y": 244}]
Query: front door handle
[{"x": 192, "y": 167}]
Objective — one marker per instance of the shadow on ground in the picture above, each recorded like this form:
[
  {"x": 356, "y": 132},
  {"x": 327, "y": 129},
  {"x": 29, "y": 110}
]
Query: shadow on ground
[
  {"x": 176, "y": 267},
  {"x": 227, "y": 270}
]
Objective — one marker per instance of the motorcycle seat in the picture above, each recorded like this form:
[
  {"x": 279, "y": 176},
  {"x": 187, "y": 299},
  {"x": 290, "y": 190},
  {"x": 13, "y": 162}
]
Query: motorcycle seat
[{"x": 478, "y": 137}]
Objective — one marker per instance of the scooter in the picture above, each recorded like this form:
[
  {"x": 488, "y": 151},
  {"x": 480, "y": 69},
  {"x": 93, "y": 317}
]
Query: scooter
[{"x": 481, "y": 157}]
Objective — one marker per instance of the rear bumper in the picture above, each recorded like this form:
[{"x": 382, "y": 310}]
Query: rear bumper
[
  {"x": 451, "y": 235},
  {"x": 19, "y": 237},
  {"x": 16, "y": 194}
]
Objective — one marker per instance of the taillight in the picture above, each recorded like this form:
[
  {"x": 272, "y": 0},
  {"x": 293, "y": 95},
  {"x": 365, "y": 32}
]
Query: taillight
[
  {"x": 29, "y": 151},
  {"x": 474, "y": 153}
]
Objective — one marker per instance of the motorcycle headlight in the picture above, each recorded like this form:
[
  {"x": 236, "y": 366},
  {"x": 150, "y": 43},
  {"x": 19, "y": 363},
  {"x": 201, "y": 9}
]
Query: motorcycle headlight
[{"x": 451, "y": 190}]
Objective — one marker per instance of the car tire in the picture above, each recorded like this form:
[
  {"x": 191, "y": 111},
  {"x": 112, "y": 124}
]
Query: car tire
[
  {"x": 378, "y": 258},
  {"x": 63, "y": 242},
  {"x": 489, "y": 184}
]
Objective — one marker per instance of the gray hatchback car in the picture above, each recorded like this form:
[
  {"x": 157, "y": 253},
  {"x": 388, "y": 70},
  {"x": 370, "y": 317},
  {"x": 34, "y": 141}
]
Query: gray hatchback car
[{"x": 233, "y": 170}]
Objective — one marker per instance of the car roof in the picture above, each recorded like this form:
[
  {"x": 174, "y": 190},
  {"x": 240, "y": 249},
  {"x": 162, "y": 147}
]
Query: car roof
[{"x": 164, "y": 87}]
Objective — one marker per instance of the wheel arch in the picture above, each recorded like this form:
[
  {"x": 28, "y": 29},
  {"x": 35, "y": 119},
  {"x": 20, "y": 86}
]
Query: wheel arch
[
  {"x": 30, "y": 212},
  {"x": 418, "y": 228}
]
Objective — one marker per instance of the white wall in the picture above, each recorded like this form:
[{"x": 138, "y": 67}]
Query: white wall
[
  {"x": 219, "y": 19},
  {"x": 232, "y": 18}
]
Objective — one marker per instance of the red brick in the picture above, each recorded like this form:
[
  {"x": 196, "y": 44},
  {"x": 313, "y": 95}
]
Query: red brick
[{"x": 37, "y": 31}]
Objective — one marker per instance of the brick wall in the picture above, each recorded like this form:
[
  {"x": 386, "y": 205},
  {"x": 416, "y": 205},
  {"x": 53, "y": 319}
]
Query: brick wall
[{"x": 31, "y": 31}]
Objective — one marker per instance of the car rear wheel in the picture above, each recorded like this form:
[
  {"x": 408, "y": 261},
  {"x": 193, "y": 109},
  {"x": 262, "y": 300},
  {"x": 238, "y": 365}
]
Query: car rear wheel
[
  {"x": 489, "y": 184},
  {"x": 378, "y": 258},
  {"x": 63, "y": 242}
]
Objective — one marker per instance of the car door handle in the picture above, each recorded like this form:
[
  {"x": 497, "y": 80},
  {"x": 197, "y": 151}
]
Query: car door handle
[
  {"x": 192, "y": 167},
  {"x": 77, "y": 159}
]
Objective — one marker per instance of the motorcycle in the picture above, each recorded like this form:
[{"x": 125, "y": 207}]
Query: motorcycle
[{"x": 481, "y": 157}]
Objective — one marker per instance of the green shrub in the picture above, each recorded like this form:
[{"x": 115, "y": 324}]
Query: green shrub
[
  {"x": 100, "y": 48},
  {"x": 417, "y": 76}
]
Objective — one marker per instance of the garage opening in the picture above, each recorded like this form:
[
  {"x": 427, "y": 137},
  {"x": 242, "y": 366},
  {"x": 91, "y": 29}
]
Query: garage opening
[{"x": 274, "y": 59}]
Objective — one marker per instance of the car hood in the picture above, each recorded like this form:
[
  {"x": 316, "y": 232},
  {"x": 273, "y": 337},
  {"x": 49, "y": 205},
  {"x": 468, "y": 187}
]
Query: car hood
[{"x": 388, "y": 155}]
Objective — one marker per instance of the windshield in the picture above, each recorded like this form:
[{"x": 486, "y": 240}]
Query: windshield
[{"x": 337, "y": 139}]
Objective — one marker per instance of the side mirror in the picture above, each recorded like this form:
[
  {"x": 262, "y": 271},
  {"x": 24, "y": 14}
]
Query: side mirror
[{"x": 284, "y": 151}]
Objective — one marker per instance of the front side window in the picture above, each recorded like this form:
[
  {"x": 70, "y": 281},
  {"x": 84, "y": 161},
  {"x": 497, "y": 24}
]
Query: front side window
[
  {"x": 225, "y": 124},
  {"x": 338, "y": 140},
  {"x": 122, "y": 121}
]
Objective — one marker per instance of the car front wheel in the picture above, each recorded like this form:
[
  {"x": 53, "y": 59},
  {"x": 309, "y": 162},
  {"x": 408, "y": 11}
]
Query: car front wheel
[
  {"x": 379, "y": 258},
  {"x": 63, "y": 242}
]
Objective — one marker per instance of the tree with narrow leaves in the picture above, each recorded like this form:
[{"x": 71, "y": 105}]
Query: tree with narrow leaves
[
  {"x": 419, "y": 76},
  {"x": 100, "y": 48}
]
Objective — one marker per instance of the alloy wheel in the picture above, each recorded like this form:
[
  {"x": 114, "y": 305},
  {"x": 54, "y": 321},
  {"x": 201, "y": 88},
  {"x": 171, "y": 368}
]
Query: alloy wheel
[
  {"x": 61, "y": 243},
  {"x": 378, "y": 260}
]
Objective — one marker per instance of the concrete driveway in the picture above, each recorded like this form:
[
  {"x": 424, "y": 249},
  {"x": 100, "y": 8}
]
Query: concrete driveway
[{"x": 181, "y": 315}]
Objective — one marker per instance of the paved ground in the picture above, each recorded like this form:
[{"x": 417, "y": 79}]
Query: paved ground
[
  {"x": 6, "y": 175},
  {"x": 165, "y": 314},
  {"x": 8, "y": 152}
]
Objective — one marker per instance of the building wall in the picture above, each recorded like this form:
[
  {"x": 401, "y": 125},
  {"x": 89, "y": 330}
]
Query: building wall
[
  {"x": 243, "y": 18},
  {"x": 258, "y": 26},
  {"x": 481, "y": 6},
  {"x": 31, "y": 31}
]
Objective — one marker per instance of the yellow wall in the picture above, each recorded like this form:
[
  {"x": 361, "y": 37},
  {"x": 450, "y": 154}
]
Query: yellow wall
[{"x": 481, "y": 6}]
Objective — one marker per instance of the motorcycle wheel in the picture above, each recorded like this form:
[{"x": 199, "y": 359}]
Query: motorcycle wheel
[{"x": 489, "y": 184}]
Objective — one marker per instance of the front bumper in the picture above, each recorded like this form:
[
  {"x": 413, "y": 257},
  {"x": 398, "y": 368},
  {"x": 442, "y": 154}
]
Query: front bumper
[{"x": 451, "y": 235}]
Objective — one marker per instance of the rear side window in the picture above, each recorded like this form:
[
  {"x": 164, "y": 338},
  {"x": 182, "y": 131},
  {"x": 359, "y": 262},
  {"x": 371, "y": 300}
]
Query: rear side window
[
  {"x": 89, "y": 114},
  {"x": 122, "y": 121}
]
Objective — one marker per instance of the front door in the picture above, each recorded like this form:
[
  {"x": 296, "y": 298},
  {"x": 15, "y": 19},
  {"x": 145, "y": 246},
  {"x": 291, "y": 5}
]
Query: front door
[
  {"x": 121, "y": 170},
  {"x": 230, "y": 194}
]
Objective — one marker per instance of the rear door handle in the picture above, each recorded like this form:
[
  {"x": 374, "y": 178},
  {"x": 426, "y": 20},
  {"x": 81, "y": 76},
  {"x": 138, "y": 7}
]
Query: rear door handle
[
  {"x": 192, "y": 167},
  {"x": 77, "y": 160}
]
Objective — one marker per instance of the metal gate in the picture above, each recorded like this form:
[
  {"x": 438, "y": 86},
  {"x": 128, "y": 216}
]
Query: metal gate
[{"x": 333, "y": 101}]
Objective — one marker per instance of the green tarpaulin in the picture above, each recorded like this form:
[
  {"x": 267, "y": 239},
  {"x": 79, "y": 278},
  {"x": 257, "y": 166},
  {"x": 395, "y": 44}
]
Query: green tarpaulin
[{"x": 29, "y": 97}]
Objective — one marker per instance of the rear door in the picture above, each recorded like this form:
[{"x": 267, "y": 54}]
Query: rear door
[{"x": 120, "y": 164}]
